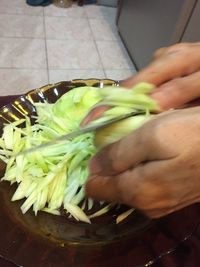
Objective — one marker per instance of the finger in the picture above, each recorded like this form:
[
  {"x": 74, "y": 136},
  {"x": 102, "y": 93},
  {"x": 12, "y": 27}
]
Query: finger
[
  {"x": 137, "y": 147},
  {"x": 136, "y": 187},
  {"x": 177, "y": 92},
  {"x": 102, "y": 188},
  {"x": 121, "y": 155},
  {"x": 160, "y": 52},
  {"x": 148, "y": 188},
  {"x": 167, "y": 68},
  {"x": 107, "y": 188},
  {"x": 94, "y": 114},
  {"x": 165, "y": 210}
]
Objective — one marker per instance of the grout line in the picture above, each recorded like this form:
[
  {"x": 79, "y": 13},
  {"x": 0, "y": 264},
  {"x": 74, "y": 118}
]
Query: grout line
[
  {"x": 97, "y": 48},
  {"x": 15, "y": 68},
  {"x": 66, "y": 16},
  {"x": 118, "y": 41},
  {"x": 63, "y": 69},
  {"x": 62, "y": 39},
  {"x": 45, "y": 42},
  {"x": 21, "y": 14},
  {"x": 21, "y": 37},
  {"x": 110, "y": 22},
  {"x": 102, "y": 69},
  {"x": 55, "y": 68},
  {"x": 105, "y": 17},
  {"x": 58, "y": 39},
  {"x": 54, "y": 16},
  {"x": 84, "y": 12}
]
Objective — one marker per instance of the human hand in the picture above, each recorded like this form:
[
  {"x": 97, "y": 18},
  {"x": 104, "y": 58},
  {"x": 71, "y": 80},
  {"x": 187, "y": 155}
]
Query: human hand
[
  {"x": 175, "y": 71},
  {"x": 156, "y": 169}
]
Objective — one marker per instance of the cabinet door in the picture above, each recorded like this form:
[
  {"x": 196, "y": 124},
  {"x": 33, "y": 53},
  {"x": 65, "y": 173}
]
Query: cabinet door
[
  {"x": 146, "y": 25},
  {"x": 192, "y": 32}
]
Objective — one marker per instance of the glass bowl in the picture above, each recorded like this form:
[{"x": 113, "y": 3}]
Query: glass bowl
[
  {"x": 54, "y": 241},
  {"x": 37, "y": 241}
]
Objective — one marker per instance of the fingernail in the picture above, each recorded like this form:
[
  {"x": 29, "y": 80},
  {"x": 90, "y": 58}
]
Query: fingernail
[{"x": 94, "y": 166}]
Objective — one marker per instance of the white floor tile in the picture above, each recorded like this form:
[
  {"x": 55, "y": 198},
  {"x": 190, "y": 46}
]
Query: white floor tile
[
  {"x": 18, "y": 81},
  {"x": 22, "y": 53},
  {"x": 65, "y": 75},
  {"x": 73, "y": 54},
  {"x": 119, "y": 74},
  {"x": 19, "y": 7},
  {"x": 71, "y": 51},
  {"x": 101, "y": 12},
  {"x": 67, "y": 28},
  {"x": 114, "y": 55},
  {"x": 21, "y": 26},
  {"x": 71, "y": 12},
  {"x": 104, "y": 30}
]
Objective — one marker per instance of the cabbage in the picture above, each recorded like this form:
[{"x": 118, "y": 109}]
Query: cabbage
[{"x": 53, "y": 178}]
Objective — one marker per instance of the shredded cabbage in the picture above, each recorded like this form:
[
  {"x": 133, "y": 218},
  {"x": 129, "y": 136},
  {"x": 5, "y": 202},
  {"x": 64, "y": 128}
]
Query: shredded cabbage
[{"x": 54, "y": 178}]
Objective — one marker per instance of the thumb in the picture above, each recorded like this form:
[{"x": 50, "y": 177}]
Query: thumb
[
  {"x": 124, "y": 154},
  {"x": 150, "y": 142}
]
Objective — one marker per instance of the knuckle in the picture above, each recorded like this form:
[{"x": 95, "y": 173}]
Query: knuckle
[
  {"x": 177, "y": 47},
  {"x": 177, "y": 83},
  {"x": 159, "y": 52},
  {"x": 176, "y": 86},
  {"x": 158, "y": 132},
  {"x": 131, "y": 192}
]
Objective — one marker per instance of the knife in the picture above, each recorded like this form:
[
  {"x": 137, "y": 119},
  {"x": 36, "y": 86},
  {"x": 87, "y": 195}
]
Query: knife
[{"x": 86, "y": 129}]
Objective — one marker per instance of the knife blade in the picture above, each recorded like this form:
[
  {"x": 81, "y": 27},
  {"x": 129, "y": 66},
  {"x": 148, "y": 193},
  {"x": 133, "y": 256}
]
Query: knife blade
[{"x": 81, "y": 131}]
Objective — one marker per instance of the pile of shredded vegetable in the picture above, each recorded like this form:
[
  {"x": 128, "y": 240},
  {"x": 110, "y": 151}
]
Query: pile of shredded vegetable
[{"x": 53, "y": 178}]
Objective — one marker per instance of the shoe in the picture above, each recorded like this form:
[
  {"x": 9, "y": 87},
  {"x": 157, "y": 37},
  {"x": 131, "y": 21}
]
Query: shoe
[{"x": 39, "y": 2}]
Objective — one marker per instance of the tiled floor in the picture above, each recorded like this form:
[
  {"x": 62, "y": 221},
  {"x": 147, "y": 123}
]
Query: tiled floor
[{"x": 46, "y": 45}]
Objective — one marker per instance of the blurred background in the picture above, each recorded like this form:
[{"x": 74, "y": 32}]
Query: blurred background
[
  {"x": 41, "y": 45},
  {"x": 48, "y": 41}
]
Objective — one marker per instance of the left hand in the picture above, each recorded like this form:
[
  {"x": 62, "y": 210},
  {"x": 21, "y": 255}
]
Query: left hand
[
  {"x": 156, "y": 169},
  {"x": 175, "y": 71}
]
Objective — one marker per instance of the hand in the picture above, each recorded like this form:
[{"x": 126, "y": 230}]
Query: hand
[
  {"x": 175, "y": 71},
  {"x": 156, "y": 169}
]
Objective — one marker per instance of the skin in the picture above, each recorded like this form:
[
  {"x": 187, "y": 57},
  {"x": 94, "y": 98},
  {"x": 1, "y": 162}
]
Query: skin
[
  {"x": 156, "y": 169},
  {"x": 174, "y": 70}
]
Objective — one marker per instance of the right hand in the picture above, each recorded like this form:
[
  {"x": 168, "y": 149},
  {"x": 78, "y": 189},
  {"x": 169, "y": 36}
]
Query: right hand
[{"x": 155, "y": 169}]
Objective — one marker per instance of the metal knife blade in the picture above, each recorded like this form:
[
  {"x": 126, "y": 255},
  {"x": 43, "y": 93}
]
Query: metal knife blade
[{"x": 83, "y": 130}]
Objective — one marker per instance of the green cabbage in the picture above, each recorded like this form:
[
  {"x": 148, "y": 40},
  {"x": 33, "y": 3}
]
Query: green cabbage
[{"x": 53, "y": 178}]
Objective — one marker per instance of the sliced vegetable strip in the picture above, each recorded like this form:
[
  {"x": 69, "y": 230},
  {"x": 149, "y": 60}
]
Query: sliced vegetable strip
[{"x": 53, "y": 179}]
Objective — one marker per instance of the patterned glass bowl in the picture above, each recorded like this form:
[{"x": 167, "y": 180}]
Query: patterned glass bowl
[
  {"x": 53, "y": 241},
  {"x": 48, "y": 239}
]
